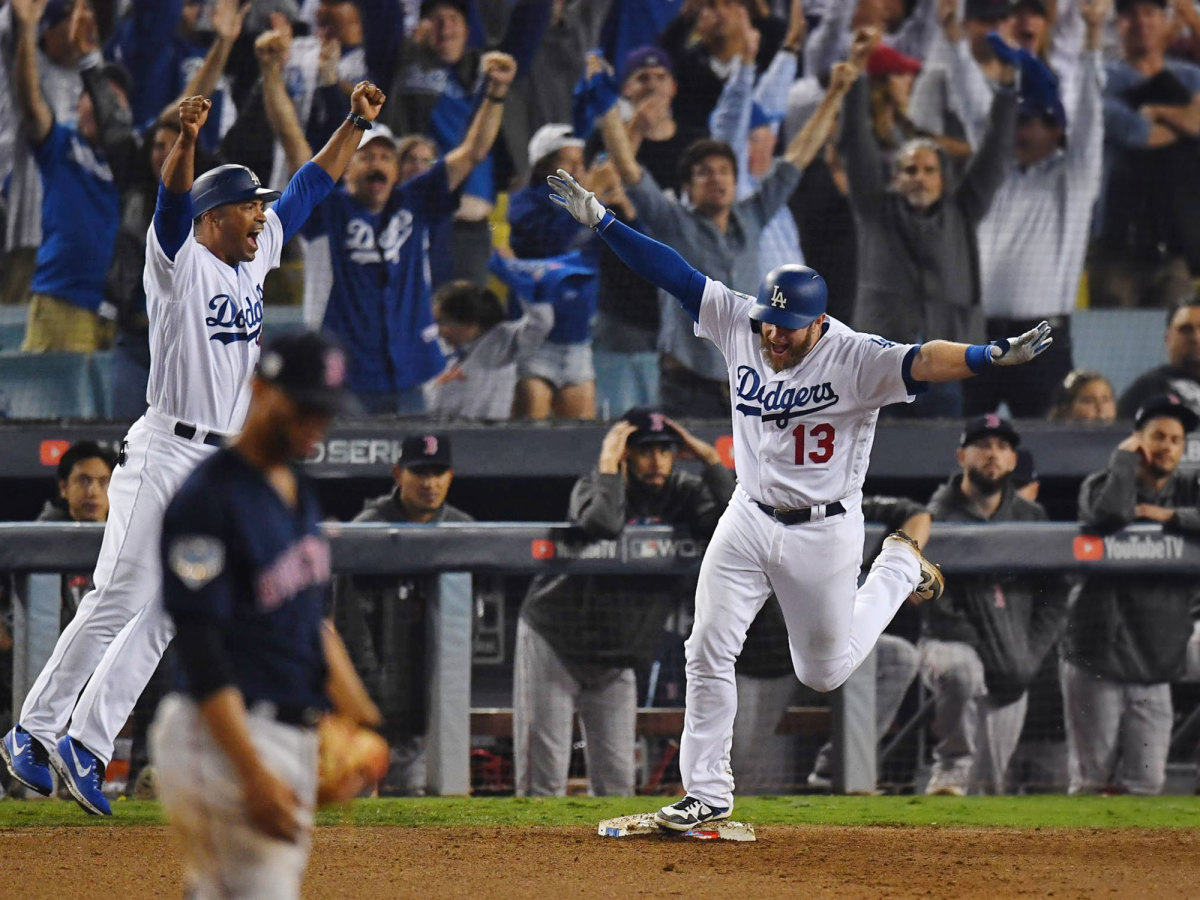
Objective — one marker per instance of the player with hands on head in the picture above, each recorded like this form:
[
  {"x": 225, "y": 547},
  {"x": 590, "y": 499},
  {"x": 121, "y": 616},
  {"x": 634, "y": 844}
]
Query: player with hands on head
[
  {"x": 580, "y": 638},
  {"x": 246, "y": 579},
  {"x": 209, "y": 247},
  {"x": 806, "y": 394}
]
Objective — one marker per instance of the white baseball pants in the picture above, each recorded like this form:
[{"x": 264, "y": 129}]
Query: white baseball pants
[
  {"x": 224, "y": 856},
  {"x": 813, "y": 570},
  {"x": 120, "y": 631}
]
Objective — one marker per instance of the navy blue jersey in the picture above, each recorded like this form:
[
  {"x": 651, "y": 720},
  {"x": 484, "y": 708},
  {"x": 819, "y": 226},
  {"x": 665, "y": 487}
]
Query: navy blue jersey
[
  {"x": 380, "y": 294},
  {"x": 238, "y": 560}
]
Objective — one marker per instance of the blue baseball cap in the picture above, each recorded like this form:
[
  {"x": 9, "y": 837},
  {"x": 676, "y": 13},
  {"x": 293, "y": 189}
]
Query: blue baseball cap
[{"x": 644, "y": 57}]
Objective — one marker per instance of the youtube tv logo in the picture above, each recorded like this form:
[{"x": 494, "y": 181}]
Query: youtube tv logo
[
  {"x": 542, "y": 549},
  {"x": 50, "y": 452},
  {"x": 1088, "y": 549}
]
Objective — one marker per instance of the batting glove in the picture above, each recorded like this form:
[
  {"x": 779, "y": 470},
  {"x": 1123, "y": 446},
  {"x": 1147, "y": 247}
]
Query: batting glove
[
  {"x": 576, "y": 199},
  {"x": 1017, "y": 350}
]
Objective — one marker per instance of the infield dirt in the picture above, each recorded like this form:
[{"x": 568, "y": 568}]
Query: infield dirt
[{"x": 810, "y": 861}]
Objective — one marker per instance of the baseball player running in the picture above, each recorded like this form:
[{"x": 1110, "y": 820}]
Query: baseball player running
[
  {"x": 246, "y": 583},
  {"x": 207, "y": 252},
  {"x": 806, "y": 395}
]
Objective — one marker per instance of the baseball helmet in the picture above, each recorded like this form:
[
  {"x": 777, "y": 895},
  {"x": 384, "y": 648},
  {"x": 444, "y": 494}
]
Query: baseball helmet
[
  {"x": 227, "y": 184},
  {"x": 790, "y": 296}
]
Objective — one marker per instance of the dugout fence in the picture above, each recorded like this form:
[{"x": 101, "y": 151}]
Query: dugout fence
[{"x": 449, "y": 556}]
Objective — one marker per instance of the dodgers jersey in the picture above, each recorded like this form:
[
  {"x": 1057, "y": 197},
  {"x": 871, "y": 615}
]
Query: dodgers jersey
[
  {"x": 803, "y": 436},
  {"x": 206, "y": 328}
]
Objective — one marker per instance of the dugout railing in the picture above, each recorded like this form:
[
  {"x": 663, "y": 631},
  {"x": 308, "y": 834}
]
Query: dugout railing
[{"x": 450, "y": 554}]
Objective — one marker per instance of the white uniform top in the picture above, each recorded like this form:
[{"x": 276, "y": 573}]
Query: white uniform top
[
  {"x": 802, "y": 437},
  {"x": 205, "y": 328}
]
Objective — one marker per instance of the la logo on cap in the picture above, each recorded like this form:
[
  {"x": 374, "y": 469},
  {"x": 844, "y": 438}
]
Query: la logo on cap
[{"x": 777, "y": 297}]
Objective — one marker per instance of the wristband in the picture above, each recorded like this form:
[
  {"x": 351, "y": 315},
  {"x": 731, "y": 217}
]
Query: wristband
[
  {"x": 979, "y": 357},
  {"x": 605, "y": 220},
  {"x": 359, "y": 122},
  {"x": 496, "y": 99}
]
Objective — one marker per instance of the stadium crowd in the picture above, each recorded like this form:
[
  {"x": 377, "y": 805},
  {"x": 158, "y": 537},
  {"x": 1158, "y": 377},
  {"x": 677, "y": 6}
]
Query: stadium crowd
[{"x": 997, "y": 163}]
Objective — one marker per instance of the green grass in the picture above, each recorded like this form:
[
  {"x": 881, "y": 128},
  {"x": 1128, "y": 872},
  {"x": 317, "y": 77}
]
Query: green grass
[{"x": 584, "y": 812}]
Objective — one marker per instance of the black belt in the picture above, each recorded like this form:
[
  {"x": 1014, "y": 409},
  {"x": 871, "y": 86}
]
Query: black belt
[
  {"x": 799, "y": 516},
  {"x": 188, "y": 432},
  {"x": 300, "y": 716}
]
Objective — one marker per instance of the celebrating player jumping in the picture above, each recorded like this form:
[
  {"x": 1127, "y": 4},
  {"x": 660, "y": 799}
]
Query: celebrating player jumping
[
  {"x": 208, "y": 250},
  {"x": 807, "y": 392}
]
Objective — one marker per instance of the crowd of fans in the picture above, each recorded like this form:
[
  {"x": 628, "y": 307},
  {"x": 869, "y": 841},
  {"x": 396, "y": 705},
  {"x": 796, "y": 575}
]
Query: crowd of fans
[
  {"x": 997, "y": 163},
  {"x": 998, "y": 160}
]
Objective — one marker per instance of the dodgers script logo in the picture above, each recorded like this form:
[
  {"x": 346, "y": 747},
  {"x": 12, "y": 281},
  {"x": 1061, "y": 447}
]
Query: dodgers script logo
[
  {"x": 228, "y": 314},
  {"x": 778, "y": 403}
]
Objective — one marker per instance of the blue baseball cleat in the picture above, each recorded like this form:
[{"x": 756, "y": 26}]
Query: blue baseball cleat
[
  {"x": 27, "y": 760},
  {"x": 83, "y": 774}
]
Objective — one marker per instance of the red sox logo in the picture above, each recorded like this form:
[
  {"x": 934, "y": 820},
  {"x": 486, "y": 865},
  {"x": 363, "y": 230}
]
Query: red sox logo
[
  {"x": 657, "y": 422},
  {"x": 335, "y": 369},
  {"x": 431, "y": 445}
]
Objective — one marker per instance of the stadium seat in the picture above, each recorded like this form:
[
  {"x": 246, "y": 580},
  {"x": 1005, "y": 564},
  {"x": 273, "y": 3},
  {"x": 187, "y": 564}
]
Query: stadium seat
[
  {"x": 47, "y": 385},
  {"x": 12, "y": 326},
  {"x": 1120, "y": 343}
]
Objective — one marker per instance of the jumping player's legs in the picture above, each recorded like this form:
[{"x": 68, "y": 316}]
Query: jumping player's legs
[
  {"x": 731, "y": 590},
  {"x": 814, "y": 574},
  {"x": 127, "y": 578},
  {"x": 106, "y": 702}
]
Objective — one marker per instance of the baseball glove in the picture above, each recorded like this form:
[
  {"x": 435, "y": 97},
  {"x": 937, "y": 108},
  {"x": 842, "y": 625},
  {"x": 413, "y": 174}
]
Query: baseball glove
[{"x": 351, "y": 759}]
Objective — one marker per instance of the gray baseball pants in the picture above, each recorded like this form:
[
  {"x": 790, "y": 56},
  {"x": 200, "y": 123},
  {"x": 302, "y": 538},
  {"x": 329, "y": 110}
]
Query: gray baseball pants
[
  {"x": 547, "y": 691},
  {"x": 1118, "y": 734}
]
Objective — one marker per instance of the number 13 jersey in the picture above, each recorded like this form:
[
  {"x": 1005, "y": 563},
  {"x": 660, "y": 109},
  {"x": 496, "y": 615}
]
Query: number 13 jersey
[{"x": 803, "y": 436}]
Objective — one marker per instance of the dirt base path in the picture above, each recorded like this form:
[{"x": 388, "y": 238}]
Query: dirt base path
[{"x": 789, "y": 862}]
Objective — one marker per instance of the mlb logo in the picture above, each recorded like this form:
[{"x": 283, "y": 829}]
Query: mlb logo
[
  {"x": 1088, "y": 549},
  {"x": 542, "y": 549}
]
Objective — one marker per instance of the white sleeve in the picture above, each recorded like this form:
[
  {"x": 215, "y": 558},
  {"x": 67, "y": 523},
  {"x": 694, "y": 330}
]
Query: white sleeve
[
  {"x": 158, "y": 277},
  {"x": 879, "y": 368},
  {"x": 721, "y": 311}
]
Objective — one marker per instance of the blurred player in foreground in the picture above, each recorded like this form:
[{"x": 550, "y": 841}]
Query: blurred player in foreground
[{"x": 246, "y": 584}]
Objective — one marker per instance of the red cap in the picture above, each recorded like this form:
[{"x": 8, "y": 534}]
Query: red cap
[{"x": 884, "y": 60}]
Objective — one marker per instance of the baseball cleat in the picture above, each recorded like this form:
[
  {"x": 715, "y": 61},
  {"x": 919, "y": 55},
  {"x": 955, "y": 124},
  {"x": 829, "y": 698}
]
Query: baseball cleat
[
  {"x": 27, "y": 760},
  {"x": 688, "y": 813},
  {"x": 83, "y": 774},
  {"x": 932, "y": 583}
]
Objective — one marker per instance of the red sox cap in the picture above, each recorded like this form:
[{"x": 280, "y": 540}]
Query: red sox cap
[
  {"x": 310, "y": 368},
  {"x": 652, "y": 427},
  {"x": 425, "y": 450},
  {"x": 986, "y": 426},
  {"x": 1166, "y": 405}
]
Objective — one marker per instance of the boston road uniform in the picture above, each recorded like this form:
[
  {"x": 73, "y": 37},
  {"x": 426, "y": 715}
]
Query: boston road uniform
[
  {"x": 377, "y": 298},
  {"x": 246, "y": 582},
  {"x": 802, "y": 441},
  {"x": 205, "y": 327}
]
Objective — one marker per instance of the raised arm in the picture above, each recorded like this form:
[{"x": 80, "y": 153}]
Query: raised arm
[
  {"x": 365, "y": 103},
  {"x": 811, "y": 138},
  {"x": 620, "y": 147},
  {"x": 498, "y": 71},
  {"x": 35, "y": 113},
  {"x": 657, "y": 263},
  {"x": 173, "y": 213},
  {"x": 271, "y": 49},
  {"x": 114, "y": 121},
  {"x": 949, "y": 361},
  {"x": 227, "y": 19},
  {"x": 856, "y": 144}
]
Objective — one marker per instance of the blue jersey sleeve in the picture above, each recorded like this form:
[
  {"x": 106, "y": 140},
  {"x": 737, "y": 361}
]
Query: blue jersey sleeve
[
  {"x": 172, "y": 219},
  {"x": 428, "y": 195},
  {"x": 657, "y": 263},
  {"x": 50, "y": 151},
  {"x": 196, "y": 560},
  {"x": 309, "y": 186}
]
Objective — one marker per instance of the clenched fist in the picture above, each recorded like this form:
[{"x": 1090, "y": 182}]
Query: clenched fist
[
  {"x": 366, "y": 100},
  {"x": 499, "y": 68},
  {"x": 193, "y": 113}
]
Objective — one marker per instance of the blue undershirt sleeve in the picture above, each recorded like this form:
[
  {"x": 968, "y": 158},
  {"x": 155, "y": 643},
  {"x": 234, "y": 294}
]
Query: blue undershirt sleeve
[
  {"x": 657, "y": 263},
  {"x": 172, "y": 220},
  {"x": 309, "y": 186}
]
